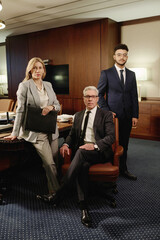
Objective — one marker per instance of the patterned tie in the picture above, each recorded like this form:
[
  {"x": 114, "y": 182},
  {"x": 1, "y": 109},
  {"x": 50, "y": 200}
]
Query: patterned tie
[
  {"x": 122, "y": 77},
  {"x": 84, "y": 128}
]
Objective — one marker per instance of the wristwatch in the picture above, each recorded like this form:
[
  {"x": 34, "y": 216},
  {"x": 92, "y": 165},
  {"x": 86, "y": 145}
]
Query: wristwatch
[{"x": 96, "y": 147}]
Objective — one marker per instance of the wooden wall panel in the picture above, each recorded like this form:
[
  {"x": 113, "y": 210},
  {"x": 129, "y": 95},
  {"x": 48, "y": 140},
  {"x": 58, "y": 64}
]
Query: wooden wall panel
[
  {"x": 78, "y": 46},
  {"x": 50, "y": 44},
  {"x": 83, "y": 46},
  {"x": 68, "y": 105},
  {"x": 110, "y": 37},
  {"x": 85, "y": 57},
  {"x": 78, "y": 105},
  {"x": 38, "y": 44},
  {"x": 17, "y": 58}
]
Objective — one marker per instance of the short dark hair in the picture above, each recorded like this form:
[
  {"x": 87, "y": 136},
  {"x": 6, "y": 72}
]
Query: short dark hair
[{"x": 121, "y": 46}]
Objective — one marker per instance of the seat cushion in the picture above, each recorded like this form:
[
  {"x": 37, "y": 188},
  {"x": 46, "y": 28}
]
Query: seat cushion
[
  {"x": 104, "y": 169},
  {"x": 99, "y": 172}
]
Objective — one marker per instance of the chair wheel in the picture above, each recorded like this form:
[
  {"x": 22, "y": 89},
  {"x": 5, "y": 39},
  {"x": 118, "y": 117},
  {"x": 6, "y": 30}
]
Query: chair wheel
[
  {"x": 113, "y": 204},
  {"x": 115, "y": 191},
  {"x": 1, "y": 199}
]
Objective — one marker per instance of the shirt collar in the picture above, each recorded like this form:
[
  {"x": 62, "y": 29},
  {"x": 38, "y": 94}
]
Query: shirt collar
[
  {"x": 118, "y": 68},
  {"x": 92, "y": 110}
]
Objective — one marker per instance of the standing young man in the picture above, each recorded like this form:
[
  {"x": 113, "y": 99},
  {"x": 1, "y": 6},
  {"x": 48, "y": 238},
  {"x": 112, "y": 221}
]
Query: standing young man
[{"x": 118, "y": 93}]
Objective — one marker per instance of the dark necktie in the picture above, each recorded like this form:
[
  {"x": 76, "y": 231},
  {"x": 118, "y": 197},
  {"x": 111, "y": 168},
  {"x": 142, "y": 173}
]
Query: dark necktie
[
  {"x": 122, "y": 77},
  {"x": 84, "y": 128}
]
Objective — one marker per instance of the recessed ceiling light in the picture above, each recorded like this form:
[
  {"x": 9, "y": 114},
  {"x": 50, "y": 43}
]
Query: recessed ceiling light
[
  {"x": 0, "y": 5},
  {"x": 2, "y": 24}
]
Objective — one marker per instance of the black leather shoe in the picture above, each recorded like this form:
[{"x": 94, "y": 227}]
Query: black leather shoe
[
  {"x": 85, "y": 218},
  {"x": 49, "y": 198},
  {"x": 128, "y": 175}
]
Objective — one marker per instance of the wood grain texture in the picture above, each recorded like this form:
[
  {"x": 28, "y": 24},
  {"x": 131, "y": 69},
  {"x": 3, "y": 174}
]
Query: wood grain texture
[
  {"x": 149, "y": 121},
  {"x": 86, "y": 47}
]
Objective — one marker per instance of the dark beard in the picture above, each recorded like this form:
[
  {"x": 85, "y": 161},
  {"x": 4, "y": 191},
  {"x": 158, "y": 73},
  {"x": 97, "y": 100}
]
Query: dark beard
[{"x": 121, "y": 64}]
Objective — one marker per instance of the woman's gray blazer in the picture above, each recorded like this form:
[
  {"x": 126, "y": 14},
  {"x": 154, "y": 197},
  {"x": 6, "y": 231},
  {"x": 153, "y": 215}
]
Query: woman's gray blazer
[{"x": 27, "y": 94}]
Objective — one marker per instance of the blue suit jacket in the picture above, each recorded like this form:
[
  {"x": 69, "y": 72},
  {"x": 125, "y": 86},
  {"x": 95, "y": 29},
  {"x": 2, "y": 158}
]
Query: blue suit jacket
[{"x": 122, "y": 101}]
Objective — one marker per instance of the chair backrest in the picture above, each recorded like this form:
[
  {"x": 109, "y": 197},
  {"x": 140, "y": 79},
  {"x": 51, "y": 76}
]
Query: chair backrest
[
  {"x": 108, "y": 172},
  {"x": 15, "y": 106},
  {"x": 6, "y": 105},
  {"x": 116, "y": 143}
]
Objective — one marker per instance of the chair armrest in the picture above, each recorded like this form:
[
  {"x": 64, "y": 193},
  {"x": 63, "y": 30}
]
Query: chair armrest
[{"x": 118, "y": 152}]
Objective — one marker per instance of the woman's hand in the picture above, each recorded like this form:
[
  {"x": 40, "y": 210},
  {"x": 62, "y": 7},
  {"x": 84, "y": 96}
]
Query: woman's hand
[
  {"x": 47, "y": 109},
  {"x": 10, "y": 137}
]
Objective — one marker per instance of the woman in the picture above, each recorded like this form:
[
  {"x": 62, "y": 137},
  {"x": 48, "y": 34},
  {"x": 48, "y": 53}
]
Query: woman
[{"x": 38, "y": 93}]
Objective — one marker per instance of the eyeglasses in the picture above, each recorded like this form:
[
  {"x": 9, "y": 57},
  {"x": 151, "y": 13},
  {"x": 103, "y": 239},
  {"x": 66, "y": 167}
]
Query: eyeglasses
[
  {"x": 88, "y": 97},
  {"x": 121, "y": 54}
]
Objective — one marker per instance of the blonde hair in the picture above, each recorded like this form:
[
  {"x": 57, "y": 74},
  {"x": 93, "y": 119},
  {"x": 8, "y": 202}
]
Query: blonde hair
[{"x": 30, "y": 66}]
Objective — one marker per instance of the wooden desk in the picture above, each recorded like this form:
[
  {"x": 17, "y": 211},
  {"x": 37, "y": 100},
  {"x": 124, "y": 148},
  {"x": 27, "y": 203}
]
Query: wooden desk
[
  {"x": 62, "y": 127},
  {"x": 11, "y": 150},
  {"x": 5, "y": 134}
]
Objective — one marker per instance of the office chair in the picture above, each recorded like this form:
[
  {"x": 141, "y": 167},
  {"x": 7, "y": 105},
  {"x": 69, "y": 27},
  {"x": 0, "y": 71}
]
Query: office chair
[
  {"x": 6, "y": 105},
  {"x": 105, "y": 173}
]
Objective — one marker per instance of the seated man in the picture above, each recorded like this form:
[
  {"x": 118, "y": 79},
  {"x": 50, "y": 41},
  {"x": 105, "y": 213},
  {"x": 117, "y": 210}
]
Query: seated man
[{"x": 90, "y": 139}]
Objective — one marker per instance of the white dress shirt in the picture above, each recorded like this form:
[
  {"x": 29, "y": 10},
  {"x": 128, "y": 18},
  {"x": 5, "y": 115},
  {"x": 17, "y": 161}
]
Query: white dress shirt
[
  {"x": 119, "y": 73},
  {"x": 43, "y": 96},
  {"x": 89, "y": 137}
]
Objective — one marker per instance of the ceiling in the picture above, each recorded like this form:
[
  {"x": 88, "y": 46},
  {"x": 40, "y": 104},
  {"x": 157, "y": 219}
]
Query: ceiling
[{"x": 24, "y": 16}]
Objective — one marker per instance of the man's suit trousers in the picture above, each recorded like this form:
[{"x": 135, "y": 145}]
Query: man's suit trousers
[
  {"x": 79, "y": 167},
  {"x": 125, "y": 126}
]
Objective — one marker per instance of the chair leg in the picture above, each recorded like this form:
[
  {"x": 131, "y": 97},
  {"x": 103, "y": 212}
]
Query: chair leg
[
  {"x": 115, "y": 190},
  {"x": 106, "y": 190},
  {"x": 3, "y": 186},
  {"x": 110, "y": 199},
  {"x": 1, "y": 199}
]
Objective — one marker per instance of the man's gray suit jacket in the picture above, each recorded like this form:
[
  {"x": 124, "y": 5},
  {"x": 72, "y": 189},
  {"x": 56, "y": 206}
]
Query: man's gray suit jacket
[{"x": 103, "y": 128}]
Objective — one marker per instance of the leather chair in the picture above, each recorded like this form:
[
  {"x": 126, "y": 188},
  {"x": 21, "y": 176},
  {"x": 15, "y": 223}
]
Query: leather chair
[
  {"x": 6, "y": 105},
  {"x": 106, "y": 173}
]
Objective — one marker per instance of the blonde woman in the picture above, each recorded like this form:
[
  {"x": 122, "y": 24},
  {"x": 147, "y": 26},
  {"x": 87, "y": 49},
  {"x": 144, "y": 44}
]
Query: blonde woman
[{"x": 38, "y": 93}]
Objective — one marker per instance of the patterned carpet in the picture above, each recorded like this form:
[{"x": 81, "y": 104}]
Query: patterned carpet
[{"x": 137, "y": 216}]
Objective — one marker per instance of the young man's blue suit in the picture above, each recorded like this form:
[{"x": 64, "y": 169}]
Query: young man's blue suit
[{"x": 121, "y": 100}]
